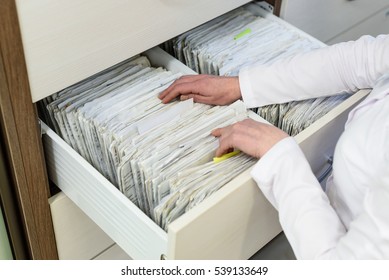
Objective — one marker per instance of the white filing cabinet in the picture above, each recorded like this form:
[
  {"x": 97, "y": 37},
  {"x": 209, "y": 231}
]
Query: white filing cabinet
[
  {"x": 333, "y": 21},
  {"x": 67, "y": 41}
]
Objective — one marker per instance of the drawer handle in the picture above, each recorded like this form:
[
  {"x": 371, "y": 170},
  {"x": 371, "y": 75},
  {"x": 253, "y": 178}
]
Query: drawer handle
[{"x": 324, "y": 175}]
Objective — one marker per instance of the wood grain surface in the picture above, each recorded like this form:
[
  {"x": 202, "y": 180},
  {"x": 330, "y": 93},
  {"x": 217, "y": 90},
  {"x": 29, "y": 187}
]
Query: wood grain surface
[{"x": 19, "y": 123}]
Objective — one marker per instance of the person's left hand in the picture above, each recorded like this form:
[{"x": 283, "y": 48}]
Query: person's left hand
[
  {"x": 207, "y": 89},
  {"x": 249, "y": 136}
]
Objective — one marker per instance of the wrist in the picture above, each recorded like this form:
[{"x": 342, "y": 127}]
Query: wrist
[{"x": 235, "y": 88}]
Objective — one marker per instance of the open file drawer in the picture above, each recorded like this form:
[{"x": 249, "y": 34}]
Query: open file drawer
[
  {"x": 233, "y": 223},
  {"x": 131, "y": 229}
]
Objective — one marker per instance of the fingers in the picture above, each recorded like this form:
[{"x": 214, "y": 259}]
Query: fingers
[
  {"x": 207, "y": 89},
  {"x": 223, "y": 150},
  {"x": 183, "y": 86},
  {"x": 217, "y": 132},
  {"x": 186, "y": 97},
  {"x": 226, "y": 144},
  {"x": 243, "y": 135},
  {"x": 198, "y": 98},
  {"x": 175, "y": 90}
]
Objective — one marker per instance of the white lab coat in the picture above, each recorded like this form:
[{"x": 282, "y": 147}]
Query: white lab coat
[{"x": 350, "y": 220}]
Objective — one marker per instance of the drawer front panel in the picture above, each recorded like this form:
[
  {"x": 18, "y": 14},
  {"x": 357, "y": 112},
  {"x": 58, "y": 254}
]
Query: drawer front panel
[
  {"x": 67, "y": 41},
  {"x": 326, "y": 19},
  {"x": 234, "y": 223},
  {"x": 77, "y": 236}
]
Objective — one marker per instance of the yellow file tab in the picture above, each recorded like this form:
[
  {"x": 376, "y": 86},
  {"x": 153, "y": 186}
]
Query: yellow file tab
[{"x": 225, "y": 156}]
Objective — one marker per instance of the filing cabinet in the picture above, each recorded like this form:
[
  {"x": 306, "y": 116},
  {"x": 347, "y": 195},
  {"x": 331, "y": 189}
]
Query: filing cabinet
[{"x": 67, "y": 41}]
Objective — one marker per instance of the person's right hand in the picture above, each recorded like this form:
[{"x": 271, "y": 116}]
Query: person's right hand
[
  {"x": 249, "y": 136},
  {"x": 207, "y": 89}
]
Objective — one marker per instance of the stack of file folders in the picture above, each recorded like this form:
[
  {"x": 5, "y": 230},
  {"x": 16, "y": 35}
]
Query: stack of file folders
[
  {"x": 240, "y": 38},
  {"x": 159, "y": 156}
]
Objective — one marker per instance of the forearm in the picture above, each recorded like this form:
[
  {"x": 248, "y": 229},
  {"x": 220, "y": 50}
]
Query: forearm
[
  {"x": 306, "y": 216},
  {"x": 331, "y": 70}
]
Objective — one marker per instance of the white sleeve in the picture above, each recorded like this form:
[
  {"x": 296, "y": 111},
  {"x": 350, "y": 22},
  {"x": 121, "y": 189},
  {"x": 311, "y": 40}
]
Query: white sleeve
[
  {"x": 343, "y": 67},
  {"x": 310, "y": 223}
]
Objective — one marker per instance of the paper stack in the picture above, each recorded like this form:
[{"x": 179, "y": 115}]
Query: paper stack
[{"x": 241, "y": 38}]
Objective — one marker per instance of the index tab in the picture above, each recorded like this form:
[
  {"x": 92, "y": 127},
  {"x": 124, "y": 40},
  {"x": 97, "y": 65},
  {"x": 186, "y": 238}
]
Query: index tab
[
  {"x": 243, "y": 33},
  {"x": 225, "y": 156}
]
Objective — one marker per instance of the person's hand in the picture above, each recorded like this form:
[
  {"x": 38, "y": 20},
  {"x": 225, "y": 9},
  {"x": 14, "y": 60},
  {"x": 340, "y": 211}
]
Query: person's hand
[
  {"x": 207, "y": 89},
  {"x": 251, "y": 137}
]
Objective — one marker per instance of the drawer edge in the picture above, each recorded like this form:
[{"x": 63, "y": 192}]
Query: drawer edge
[
  {"x": 328, "y": 127},
  {"x": 126, "y": 224},
  {"x": 234, "y": 223}
]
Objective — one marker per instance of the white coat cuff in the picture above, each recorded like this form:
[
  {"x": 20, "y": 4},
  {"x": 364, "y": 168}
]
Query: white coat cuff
[
  {"x": 266, "y": 168},
  {"x": 248, "y": 95}
]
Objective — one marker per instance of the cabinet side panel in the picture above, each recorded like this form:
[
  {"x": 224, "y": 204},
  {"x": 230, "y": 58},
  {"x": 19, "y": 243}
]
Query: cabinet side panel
[{"x": 19, "y": 123}]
